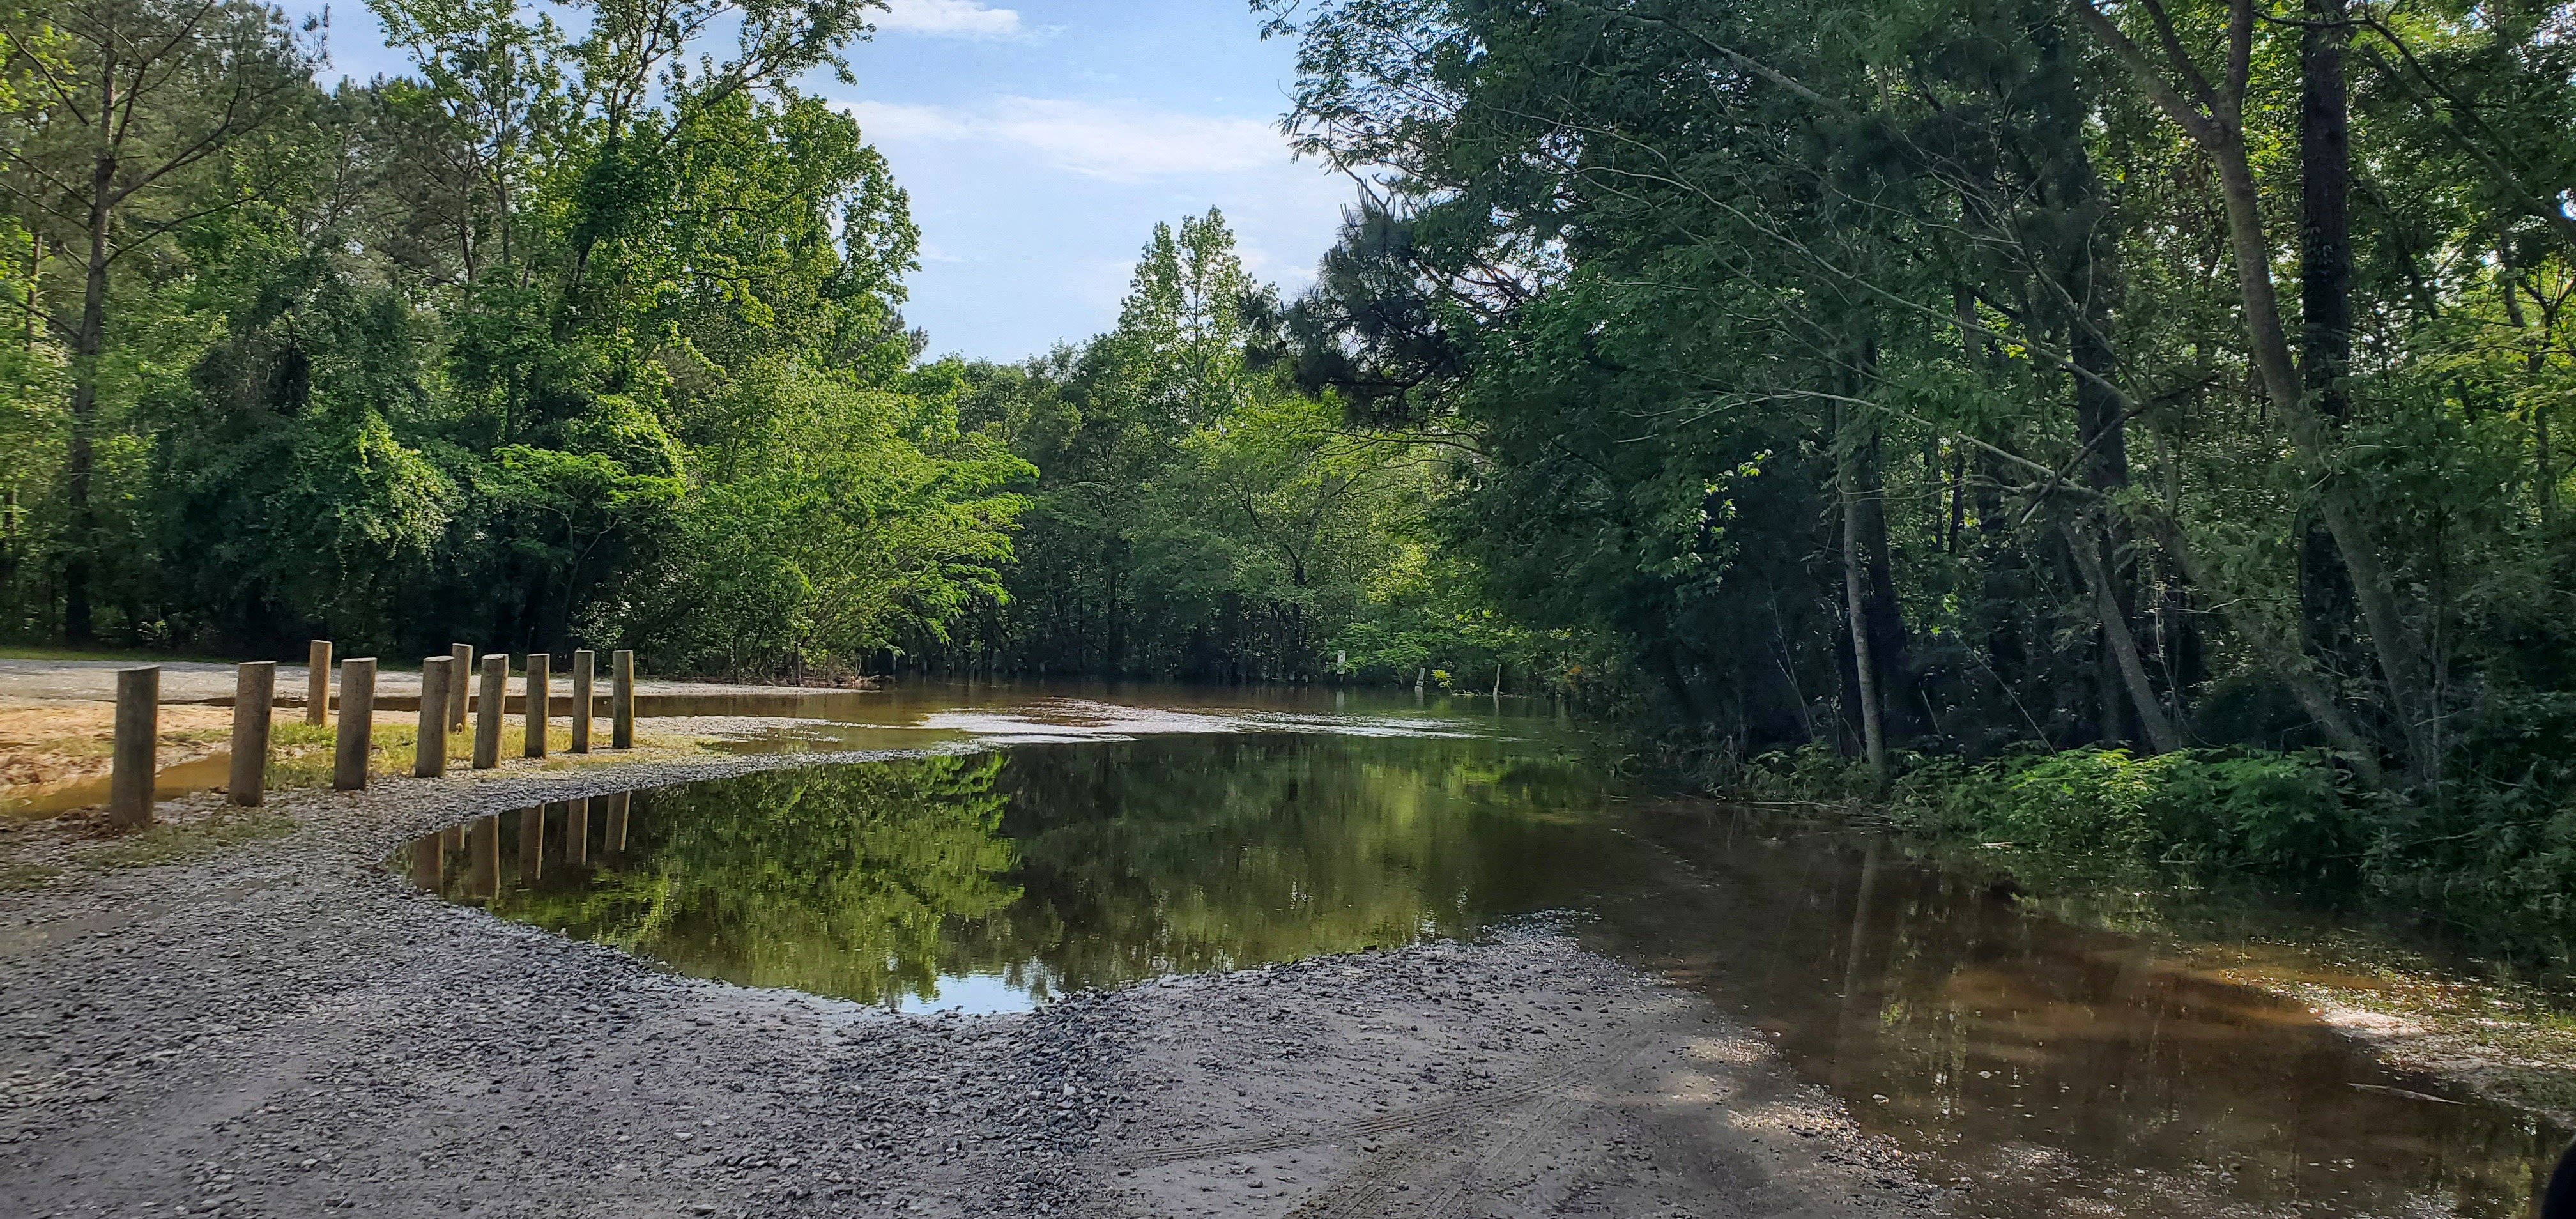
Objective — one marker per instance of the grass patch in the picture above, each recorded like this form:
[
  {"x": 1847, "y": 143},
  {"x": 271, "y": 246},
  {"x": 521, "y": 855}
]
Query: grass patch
[
  {"x": 17, "y": 876},
  {"x": 167, "y": 843},
  {"x": 301, "y": 756},
  {"x": 89, "y": 745}
]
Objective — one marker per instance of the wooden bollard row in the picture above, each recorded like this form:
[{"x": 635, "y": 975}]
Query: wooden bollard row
[{"x": 443, "y": 681}]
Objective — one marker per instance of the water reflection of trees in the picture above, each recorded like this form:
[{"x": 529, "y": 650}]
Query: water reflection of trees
[
  {"x": 830, "y": 879},
  {"x": 1176, "y": 855},
  {"x": 1058, "y": 867}
]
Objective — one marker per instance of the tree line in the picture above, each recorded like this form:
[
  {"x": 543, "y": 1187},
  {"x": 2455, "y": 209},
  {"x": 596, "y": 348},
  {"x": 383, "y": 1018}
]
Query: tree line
[
  {"x": 1911, "y": 376},
  {"x": 560, "y": 336},
  {"x": 590, "y": 334},
  {"x": 1948, "y": 376}
]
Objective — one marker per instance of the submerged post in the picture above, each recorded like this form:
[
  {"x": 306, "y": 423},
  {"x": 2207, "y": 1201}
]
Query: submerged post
[
  {"x": 621, "y": 702},
  {"x": 317, "y": 683},
  {"x": 429, "y": 754},
  {"x": 357, "y": 724},
  {"x": 460, "y": 674},
  {"x": 487, "y": 710},
  {"x": 538, "y": 697},
  {"x": 254, "y": 692},
  {"x": 577, "y": 831},
  {"x": 138, "y": 731},
  {"x": 532, "y": 844},
  {"x": 483, "y": 857},
  {"x": 583, "y": 660}
]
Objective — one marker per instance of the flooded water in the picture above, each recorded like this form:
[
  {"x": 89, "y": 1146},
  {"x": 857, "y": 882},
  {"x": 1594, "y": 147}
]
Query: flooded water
[{"x": 2059, "y": 1070}]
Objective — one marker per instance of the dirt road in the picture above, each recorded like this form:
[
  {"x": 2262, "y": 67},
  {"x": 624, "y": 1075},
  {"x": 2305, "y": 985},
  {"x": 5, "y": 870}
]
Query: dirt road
[{"x": 284, "y": 1028}]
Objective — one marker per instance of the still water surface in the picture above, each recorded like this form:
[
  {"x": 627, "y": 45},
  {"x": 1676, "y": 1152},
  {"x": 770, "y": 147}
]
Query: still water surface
[{"x": 2059, "y": 1069}]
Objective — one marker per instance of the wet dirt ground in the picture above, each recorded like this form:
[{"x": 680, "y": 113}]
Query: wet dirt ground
[{"x": 286, "y": 1028}]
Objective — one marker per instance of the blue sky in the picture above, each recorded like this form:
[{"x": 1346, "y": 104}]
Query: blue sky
[{"x": 1042, "y": 139}]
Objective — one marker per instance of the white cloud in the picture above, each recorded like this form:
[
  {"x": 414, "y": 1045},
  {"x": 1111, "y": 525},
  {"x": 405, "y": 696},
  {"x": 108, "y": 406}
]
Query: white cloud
[
  {"x": 950, "y": 18},
  {"x": 1113, "y": 141}
]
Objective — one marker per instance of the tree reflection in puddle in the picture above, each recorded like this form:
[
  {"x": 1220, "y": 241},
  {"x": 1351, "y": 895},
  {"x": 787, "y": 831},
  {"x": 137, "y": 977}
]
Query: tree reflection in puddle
[
  {"x": 2058, "y": 1069},
  {"x": 993, "y": 881}
]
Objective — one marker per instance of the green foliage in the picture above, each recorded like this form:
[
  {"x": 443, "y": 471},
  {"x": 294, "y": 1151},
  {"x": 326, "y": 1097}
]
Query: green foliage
[
  {"x": 1766, "y": 332},
  {"x": 834, "y": 521},
  {"x": 1192, "y": 514},
  {"x": 555, "y": 341},
  {"x": 2280, "y": 813}
]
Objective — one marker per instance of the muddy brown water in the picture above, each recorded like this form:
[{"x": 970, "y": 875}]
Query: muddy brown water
[{"x": 2049, "y": 1068}]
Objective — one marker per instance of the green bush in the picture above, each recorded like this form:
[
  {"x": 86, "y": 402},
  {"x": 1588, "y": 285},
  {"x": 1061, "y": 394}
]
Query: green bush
[
  {"x": 2274, "y": 812},
  {"x": 2287, "y": 813}
]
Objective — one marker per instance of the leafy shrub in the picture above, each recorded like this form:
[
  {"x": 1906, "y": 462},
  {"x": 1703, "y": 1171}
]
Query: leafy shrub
[
  {"x": 2287, "y": 813},
  {"x": 2271, "y": 811}
]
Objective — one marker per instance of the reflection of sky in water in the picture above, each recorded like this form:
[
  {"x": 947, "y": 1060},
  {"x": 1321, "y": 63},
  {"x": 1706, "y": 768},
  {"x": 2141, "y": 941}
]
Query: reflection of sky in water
[{"x": 971, "y": 995}]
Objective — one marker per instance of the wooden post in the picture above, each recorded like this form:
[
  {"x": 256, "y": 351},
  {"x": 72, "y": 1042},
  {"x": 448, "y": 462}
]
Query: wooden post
[
  {"x": 254, "y": 694},
  {"x": 532, "y": 844},
  {"x": 460, "y": 674},
  {"x": 317, "y": 683},
  {"x": 487, "y": 711},
  {"x": 429, "y": 754},
  {"x": 616, "y": 829},
  {"x": 621, "y": 702},
  {"x": 138, "y": 732},
  {"x": 538, "y": 697},
  {"x": 357, "y": 724},
  {"x": 577, "y": 832},
  {"x": 582, "y": 662}
]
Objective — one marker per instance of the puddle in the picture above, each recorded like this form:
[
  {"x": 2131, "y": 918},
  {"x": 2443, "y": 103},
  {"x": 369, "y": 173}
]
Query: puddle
[
  {"x": 169, "y": 783},
  {"x": 2063, "y": 1070},
  {"x": 992, "y": 881}
]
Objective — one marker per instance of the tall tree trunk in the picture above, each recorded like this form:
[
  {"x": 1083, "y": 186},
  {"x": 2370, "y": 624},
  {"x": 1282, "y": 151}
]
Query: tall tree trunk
[
  {"x": 1895, "y": 702},
  {"x": 88, "y": 343},
  {"x": 2122, "y": 642},
  {"x": 2082, "y": 261},
  {"x": 2325, "y": 228},
  {"x": 2325, "y": 300},
  {"x": 1847, "y": 477},
  {"x": 1888, "y": 645},
  {"x": 2103, "y": 428}
]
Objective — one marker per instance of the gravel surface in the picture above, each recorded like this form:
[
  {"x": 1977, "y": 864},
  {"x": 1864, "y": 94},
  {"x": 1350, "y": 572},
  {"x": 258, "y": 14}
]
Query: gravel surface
[{"x": 284, "y": 1028}]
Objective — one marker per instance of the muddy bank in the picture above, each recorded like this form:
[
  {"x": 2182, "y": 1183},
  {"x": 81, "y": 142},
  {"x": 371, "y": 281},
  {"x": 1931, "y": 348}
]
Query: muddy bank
[{"x": 282, "y": 1028}]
